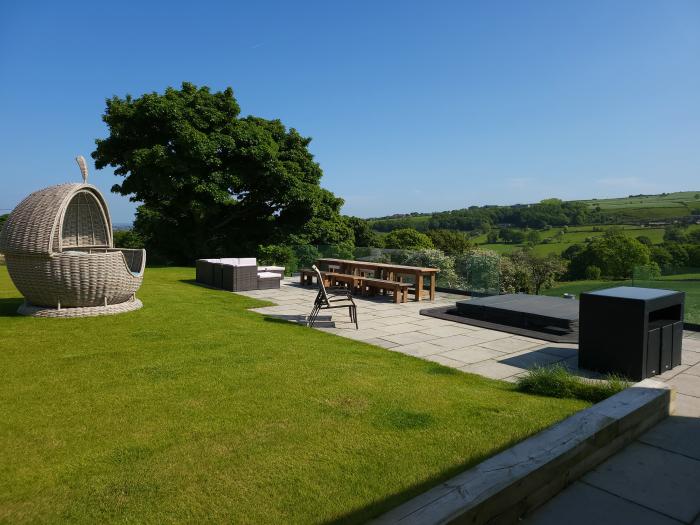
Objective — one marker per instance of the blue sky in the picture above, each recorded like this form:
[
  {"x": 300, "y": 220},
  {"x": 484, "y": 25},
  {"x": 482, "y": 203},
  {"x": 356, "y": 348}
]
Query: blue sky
[{"x": 412, "y": 106}]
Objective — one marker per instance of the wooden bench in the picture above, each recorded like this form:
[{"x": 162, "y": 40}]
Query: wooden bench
[
  {"x": 333, "y": 279},
  {"x": 400, "y": 290},
  {"x": 306, "y": 276}
]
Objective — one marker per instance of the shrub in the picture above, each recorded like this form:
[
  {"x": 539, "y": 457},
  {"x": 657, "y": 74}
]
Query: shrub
[
  {"x": 647, "y": 272},
  {"x": 558, "y": 381},
  {"x": 277, "y": 255},
  {"x": 306, "y": 255},
  {"x": 592, "y": 273},
  {"x": 513, "y": 277},
  {"x": 128, "y": 239},
  {"x": 435, "y": 259},
  {"x": 479, "y": 271}
]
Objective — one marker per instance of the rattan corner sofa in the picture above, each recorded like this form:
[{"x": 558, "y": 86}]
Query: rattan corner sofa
[
  {"x": 238, "y": 274},
  {"x": 60, "y": 255}
]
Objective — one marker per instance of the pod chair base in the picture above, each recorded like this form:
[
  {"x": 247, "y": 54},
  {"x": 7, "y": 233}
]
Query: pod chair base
[{"x": 87, "y": 311}]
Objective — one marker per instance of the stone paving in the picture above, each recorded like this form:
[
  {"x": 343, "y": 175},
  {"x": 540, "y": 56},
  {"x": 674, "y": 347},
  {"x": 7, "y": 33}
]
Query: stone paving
[{"x": 400, "y": 328}]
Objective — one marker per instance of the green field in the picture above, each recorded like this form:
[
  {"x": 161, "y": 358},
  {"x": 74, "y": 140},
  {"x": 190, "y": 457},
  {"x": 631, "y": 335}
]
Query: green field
[
  {"x": 688, "y": 283},
  {"x": 576, "y": 235},
  {"x": 194, "y": 409},
  {"x": 649, "y": 207}
]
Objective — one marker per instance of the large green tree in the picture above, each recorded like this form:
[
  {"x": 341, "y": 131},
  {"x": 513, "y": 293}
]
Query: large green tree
[
  {"x": 407, "y": 239},
  {"x": 614, "y": 253},
  {"x": 211, "y": 182}
]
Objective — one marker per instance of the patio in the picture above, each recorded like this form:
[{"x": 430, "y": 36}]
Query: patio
[{"x": 401, "y": 328}]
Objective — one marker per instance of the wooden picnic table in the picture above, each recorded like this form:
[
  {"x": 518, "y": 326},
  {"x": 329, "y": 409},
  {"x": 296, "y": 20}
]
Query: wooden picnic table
[{"x": 387, "y": 271}]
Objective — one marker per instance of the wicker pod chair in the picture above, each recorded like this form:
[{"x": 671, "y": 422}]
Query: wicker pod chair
[{"x": 60, "y": 255}]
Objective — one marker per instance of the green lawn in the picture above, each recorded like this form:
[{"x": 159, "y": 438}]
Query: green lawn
[{"x": 195, "y": 410}]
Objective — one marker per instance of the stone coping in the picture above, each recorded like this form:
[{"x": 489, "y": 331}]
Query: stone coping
[{"x": 518, "y": 480}]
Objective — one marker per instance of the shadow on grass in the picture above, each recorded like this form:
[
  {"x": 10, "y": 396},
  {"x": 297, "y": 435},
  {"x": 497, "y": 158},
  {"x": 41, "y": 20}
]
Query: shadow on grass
[
  {"x": 8, "y": 307},
  {"x": 196, "y": 283},
  {"x": 323, "y": 321},
  {"x": 378, "y": 508}
]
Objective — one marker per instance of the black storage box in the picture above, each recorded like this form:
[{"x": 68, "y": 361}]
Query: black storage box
[{"x": 635, "y": 332}]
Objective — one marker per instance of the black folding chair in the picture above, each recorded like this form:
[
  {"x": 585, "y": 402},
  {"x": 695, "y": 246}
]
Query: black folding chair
[{"x": 332, "y": 297}]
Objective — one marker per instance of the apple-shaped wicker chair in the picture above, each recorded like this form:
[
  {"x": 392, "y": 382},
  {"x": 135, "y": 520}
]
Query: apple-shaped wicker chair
[{"x": 59, "y": 253}]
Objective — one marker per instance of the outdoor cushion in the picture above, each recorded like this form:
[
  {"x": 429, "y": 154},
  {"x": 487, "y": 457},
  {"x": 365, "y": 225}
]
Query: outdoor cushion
[
  {"x": 249, "y": 261},
  {"x": 268, "y": 275},
  {"x": 270, "y": 268}
]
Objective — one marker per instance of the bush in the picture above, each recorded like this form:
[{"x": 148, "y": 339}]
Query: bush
[
  {"x": 479, "y": 271},
  {"x": 306, "y": 255},
  {"x": 513, "y": 277},
  {"x": 592, "y": 273},
  {"x": 558, "y": 381},
  {"x": 434, "y": 259},
  {"x": 277, "y": 255},
  {"x": 128, "y": 239},
  {"x": 647, "y": 272}
]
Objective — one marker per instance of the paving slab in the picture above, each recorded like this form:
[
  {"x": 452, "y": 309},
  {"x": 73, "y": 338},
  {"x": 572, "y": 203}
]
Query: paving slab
[
  {"x": 529, "y": 359},
  {"x": 421, "y": 349},
  {"x": 509, "y": 345},
  {"x": 690, "y": 358},
  {"x": 582, "y": 504},
  {"x": 679, "y": 434},
  {"x": 446, "y": 361},
  {"x": 688, "y": 406},
  {"x": 400, "y": 328},
  {"x": 454, "y": 342},
  {"x": 560, "y": 350},
  {"x": 492, "y": 369},
  {"x": 472, "y": 354},
  {"x": 488, "y": 335},
  {"x": 407, "y": 338},
  {"x": 694, "y": 370},
  {"x": 363, "y": 335},
  {"x": 445, "y": 331},
  {"x": 686, "y": 384},
  {"x": 381, "y": 342},
  {"x": 654, "y": 478}
]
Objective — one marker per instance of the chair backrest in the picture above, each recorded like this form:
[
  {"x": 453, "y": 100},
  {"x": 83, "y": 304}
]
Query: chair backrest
[{"x": 322, "y": 295}]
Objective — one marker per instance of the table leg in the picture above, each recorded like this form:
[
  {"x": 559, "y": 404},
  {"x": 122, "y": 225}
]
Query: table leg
[
  {"x": 432, "y": 286},
  {"x": 419, "y": 286}
]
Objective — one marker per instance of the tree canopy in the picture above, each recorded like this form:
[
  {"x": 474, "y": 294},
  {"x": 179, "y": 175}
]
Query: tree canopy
[
  {"x": 211, "y": 182},
  {"x": 614, "y": 253},
  {"x": 407, "y": 239}
]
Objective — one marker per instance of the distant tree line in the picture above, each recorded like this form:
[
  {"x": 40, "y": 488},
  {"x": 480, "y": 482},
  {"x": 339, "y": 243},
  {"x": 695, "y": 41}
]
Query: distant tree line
[{"x": 549, "y": 212}]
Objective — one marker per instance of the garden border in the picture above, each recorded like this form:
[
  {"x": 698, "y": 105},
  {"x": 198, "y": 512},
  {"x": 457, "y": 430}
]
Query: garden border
[{"x": 516, "y": 481}]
